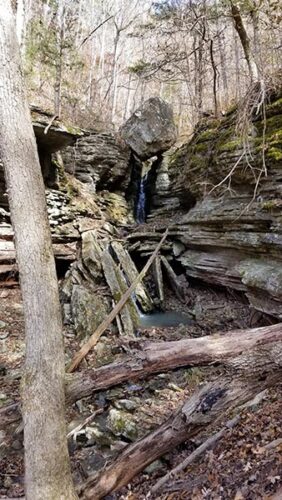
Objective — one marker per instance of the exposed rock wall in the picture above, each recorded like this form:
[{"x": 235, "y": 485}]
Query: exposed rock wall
[
  {"x": 51, "y": 136},
  {"x": 102, "y": 160},
  {"x": 233, "y": 234}
]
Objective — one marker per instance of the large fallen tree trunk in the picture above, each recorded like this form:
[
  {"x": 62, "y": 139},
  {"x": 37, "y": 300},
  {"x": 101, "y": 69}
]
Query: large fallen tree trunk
[
  {"x": 214, "y": 400},
  {"x": 148, "y": 358}
]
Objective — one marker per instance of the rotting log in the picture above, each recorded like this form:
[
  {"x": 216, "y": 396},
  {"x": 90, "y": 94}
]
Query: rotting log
[
  {"x": 158, "y": 278},
  {"x": 112, "y": 278},
  {"x": 252, "y": 372},
  {"x": 157, "y": 357},
  {"x": 208, "y": 444},
  {"x": 173, "y": 279},
  {"x": 148, "y": 358}
]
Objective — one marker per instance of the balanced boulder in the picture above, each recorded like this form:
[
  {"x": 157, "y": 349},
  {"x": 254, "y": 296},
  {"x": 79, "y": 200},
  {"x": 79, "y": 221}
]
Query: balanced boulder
[{"x": 151, "y": 129}]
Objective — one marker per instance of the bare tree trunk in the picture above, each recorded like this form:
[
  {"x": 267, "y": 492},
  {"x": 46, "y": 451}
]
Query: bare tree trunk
[
  {"x": 128, "y": 98},
  {"x": 214, "y": 87},
  {"x": 245, "y": 41},
  {"x": 198, "y": 54},
  {"x": 113, "y": 82},
  {"x": 222, "y": 58},
  {"x": 48, "y": 475},
  {"x": 237, "y": 67},
  {"x": 256, "y": 33}
]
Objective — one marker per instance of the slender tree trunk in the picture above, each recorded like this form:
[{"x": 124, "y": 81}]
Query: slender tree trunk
[
  {"x": 113, "y": 82},
  {"x": 222, "y": 58},
  {"x": 214, "y": 87},
  {"x": 128, "y": 98},
  {"x": 48, "y": 475},
  {"x": 256, "y": 34},
  {"x": 245, "y": 42},
  {"x": 237, "y": 67},
  {"x": 199, "y": 76}
]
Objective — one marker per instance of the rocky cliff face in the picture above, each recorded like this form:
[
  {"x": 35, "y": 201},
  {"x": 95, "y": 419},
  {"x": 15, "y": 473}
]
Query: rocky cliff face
[
  {"x": 233, "y": 234},
  {"x": 223, "y": 212},
  {"x": 51, "y": 136},
  {"x": 100, "y": 160}
]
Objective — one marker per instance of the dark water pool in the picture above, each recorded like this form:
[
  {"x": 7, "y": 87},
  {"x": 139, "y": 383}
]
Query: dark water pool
[{"x": 165, "y": 319}]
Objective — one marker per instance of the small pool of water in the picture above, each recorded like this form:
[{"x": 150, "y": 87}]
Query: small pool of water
[{"x": 165, "y": 319}]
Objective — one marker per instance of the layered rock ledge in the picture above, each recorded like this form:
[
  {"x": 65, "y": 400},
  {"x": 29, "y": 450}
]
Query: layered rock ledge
[{"x": 230, "y": 230}]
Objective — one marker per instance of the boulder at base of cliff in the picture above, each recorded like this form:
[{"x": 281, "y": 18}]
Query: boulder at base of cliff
[{"x": 151, "y": 129}]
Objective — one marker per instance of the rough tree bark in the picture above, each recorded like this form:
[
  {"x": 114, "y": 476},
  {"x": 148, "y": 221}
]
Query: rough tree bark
[{"x": 48, "y": 475}]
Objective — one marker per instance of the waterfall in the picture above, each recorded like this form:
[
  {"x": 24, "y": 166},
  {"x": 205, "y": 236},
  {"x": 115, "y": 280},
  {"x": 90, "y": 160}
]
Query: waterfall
[{"x": 141, "y": 201}]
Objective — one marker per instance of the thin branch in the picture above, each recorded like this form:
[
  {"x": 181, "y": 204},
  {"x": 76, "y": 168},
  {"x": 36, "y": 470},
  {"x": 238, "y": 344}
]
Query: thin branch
[
  {"x": 207, "y": 445},
  {"x": 94, "y": 31}
]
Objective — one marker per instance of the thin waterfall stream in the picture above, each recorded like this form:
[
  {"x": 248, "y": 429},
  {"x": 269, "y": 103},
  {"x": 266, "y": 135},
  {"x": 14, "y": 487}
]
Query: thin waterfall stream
[
  {"x": 156, "y": 318},
  {"x": 141, "y": 201}
]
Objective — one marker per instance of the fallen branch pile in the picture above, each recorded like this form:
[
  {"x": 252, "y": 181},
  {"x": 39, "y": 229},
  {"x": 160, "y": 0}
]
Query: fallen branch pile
[{"x": 253, "y": 370}]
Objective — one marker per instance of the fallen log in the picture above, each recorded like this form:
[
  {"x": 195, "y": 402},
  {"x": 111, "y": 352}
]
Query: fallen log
[
  {"x": 148, "y": 358},
  {"x": 156, "y": 357},
  {"x": 114, "y": 280},
  {"x": 130, "y": 270},
  {"x": 206, "y": 445},
  {"x": 173, "y": 279},
  {"x": 203, "y": 408},
  {"x": 158, "y": 278},
  {"x": 252, "y": 370}
]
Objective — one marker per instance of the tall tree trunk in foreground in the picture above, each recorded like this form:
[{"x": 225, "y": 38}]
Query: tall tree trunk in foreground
[{"x": 48, "y": 475}]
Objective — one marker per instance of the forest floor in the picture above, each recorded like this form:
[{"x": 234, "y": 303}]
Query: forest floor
[{"x": 239, "y": 467}]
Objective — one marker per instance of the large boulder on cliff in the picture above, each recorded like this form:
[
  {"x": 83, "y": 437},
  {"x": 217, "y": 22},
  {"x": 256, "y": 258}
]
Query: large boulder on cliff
[
  {"x": 151, "y": 129},
  {"x": 100, "y": 160}
]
